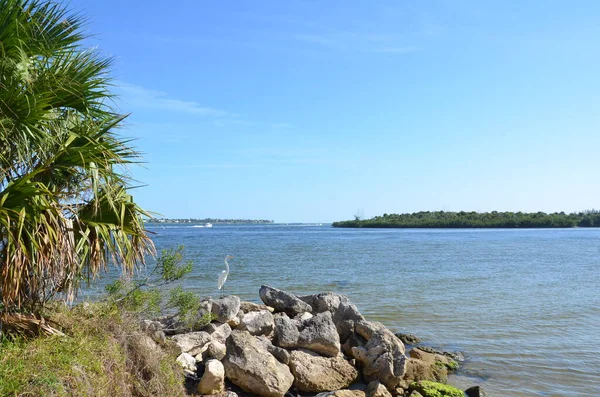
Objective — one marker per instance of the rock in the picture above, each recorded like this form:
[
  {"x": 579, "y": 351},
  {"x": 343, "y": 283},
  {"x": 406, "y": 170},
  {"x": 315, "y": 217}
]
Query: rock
[
  {"x": 456, "y": 356},
  {"x": 216, "y": 350},
  {"x": 218, "y": 331},
  {"x": 283, "y": 301},
  {"x": 154, "y": 329},
  {"x": 342, "y": 393},
  {"x": 234, "y": 323},
  {"x": 258, "y": 323},
  {"x": 475, "y": 391},
  {"x": 352, "y": 341},
  {"x": 408, "y": 339},
  {"x": 286, "y": 332},
  {"x": 376, "y": 389},
  {"x": 320, "y": 335},
  {"x": 250, "y": 366},
  {"x": 213, "y": 380},
  {"x": 417, "y": 370},
  {"x": 437, "y": 359},
  {"x": 193, "y": 343},
  {"x": 226, "y": 309},
  {"x": 314, "y": 373},
  {"x": 382, "y": 357},
  {"x": 280, "y": 354},
  {"x": 344, "y": 312},
  {"x": 367, "y": 328},
  {"x": 434, "y": 389},
  {"x": 303, "y": 316},
  {"x": 248, "y": 307},
  {"x": 415, "y": 394},
  {"x": 188, "y": 363}
]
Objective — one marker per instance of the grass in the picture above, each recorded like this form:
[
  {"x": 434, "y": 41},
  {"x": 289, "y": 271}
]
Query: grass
[{"x": 103, "y": 353}]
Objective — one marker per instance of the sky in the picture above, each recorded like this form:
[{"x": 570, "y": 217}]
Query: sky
[{"x": 316, "y": 111}]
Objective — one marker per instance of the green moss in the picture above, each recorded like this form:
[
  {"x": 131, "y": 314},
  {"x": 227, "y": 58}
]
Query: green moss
[{"x": 434, "y": 389}]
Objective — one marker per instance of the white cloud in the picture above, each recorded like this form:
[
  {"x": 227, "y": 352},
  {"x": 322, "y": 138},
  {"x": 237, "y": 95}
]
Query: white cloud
[{"x": 146, "y": 98}]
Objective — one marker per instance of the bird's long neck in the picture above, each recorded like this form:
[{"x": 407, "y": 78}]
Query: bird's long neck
[{"x": 226, "y": 265}]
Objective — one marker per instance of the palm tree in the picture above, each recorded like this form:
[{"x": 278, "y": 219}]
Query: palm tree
[{"x": 65, "y": 210}]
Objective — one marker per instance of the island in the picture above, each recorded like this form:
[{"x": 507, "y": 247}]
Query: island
[{"x": 462, "y": 219}]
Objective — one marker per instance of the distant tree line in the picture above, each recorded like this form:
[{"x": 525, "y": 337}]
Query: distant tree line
[
  {"x": 207, "y": 220},
  {"x": 462, "y": 219}
]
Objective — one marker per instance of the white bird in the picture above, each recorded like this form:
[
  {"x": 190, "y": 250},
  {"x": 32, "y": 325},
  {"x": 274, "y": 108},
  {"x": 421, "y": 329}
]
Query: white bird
[{"x": 223, "y": 276}]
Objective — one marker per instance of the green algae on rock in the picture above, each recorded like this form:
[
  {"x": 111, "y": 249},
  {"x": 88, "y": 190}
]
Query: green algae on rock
[{"x": 434, "y": 389}]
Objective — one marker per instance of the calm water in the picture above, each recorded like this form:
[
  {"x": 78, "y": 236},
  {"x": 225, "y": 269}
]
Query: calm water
[{"x": 523, "y": 305}]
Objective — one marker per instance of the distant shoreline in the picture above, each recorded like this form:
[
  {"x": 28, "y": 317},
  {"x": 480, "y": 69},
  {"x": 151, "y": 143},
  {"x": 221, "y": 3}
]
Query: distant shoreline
[
  {"x": 477, "y": 220},
  {"x": 214, "y": 221}
]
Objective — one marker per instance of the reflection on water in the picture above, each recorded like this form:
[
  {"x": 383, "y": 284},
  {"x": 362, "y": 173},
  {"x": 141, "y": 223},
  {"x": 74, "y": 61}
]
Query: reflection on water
[{"x": 523, "y": 305}]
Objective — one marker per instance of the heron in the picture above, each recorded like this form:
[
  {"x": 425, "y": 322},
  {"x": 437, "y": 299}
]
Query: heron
[{"x": 223, "y": 276}]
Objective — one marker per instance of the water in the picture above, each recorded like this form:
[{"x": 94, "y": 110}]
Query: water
[{"x": 523, "y": 305}]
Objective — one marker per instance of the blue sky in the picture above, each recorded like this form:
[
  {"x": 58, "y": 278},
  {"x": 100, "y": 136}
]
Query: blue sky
[{"x": 311, "y": 111}]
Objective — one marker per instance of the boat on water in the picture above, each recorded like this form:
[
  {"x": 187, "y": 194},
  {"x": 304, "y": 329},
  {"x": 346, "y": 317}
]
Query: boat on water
[{"x": 205, "y": 225}]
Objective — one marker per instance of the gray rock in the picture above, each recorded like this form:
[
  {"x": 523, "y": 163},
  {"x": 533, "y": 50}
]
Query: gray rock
[
  {"x": 286, "y": 332},
  {"x": 250, "y": 366},
  {"x": 280, "y": 354},
  {"x": 213, "y": 380},
  {"x": 382, "y": 358},
  {"x": 408, "y": 339},
  {"x": 283, "y": 301},
  {"x": 417, "y": 370},
  {"x": 219, "y": 331},
  {"x": 248, "y": 307},
  {"x": 226, "y": 309},
  {"x": 320, "y": 335},
  {"x": 376, "y": 389},
  {"x": 216, "y": 350},
  {"x": 258, "y": 323},
  {"x": 475, "y": 391},
  {"x": 314, "y": 373},
  {"x": 188, "y": 363},
  {"x": 344, "y": 313},
  {"x": 193, "y": 343}
]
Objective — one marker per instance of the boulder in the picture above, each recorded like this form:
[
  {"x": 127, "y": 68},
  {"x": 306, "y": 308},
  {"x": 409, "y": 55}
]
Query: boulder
[
  {"x": 226, "y": 309},
  {"x": 434, "y": 389},
  {"x": 415, "y": 394},
  {"x": 317, "y": 333},
  {"x": 213, "y": 380},
  {"x": 283, "y": 301},
  {"x": 314, "y": 373},
  {"x": 193, "y": 343},
  {"x": 475, "y": 391},
  {"x": 417, "y": 370},
  {"x": 219, "y": 331},
  {"x": 280, "y": 354},
  {"x": 376, "y": 389},
  {"x": 344, "y": 313},
  {"x": 434, "y": 358},
  {"x": 216, "y": 350},
  {"x": 248, "y": 307},
  {"x": 320, "y": 335},
  {"x": 258, "y": 323},
  {"x": 188, "y": 363},
  {"x": 250, "y": 366},
  {"x": 303, "y": 316},
  {"x": 408, "y": 339},
  {"x": 286, "y": 332},
  {"x": 382, "y": 357}
]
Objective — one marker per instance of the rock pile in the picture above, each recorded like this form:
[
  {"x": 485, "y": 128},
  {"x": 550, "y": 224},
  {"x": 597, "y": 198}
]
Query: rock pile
[{"x": 303, "y": 344}]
